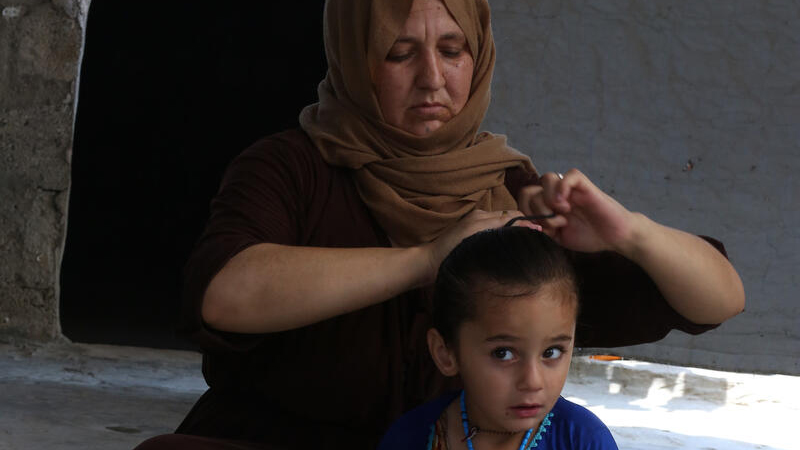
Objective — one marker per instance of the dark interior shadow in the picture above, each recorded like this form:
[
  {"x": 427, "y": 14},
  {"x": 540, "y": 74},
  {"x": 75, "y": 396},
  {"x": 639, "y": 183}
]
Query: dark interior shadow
[{"x": 169, "y": 94}]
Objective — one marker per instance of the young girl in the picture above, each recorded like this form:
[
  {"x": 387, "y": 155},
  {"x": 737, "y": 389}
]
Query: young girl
[{"x": 505, "y": 307}]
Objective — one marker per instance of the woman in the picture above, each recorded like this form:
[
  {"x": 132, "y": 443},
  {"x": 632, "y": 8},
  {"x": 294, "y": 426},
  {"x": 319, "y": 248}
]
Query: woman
[{"x": 308, "y": 290}]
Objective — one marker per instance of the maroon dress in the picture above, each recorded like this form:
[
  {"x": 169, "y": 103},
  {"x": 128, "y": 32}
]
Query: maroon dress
[{"x": 346, "y": 379}]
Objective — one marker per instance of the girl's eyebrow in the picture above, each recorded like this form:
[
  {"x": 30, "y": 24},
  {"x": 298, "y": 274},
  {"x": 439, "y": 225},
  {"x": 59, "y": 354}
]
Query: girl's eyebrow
[
  {"x": 508, "y": 337},
  {"x": 502, "y": 337},
  {"x": 561, "y": 337}
]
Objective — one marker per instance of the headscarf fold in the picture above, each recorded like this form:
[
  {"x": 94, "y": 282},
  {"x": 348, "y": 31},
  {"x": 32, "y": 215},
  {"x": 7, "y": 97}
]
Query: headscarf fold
[{"x": 415, "y": 186}]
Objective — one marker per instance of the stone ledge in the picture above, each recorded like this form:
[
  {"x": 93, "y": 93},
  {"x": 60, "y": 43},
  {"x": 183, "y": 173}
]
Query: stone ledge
[{"x": 646, "y": 380}]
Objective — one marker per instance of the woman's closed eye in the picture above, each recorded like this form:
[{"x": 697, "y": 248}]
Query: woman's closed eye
[
  {"x": 451, "y": 52},
  {"x": 503, "y": 354},
  {"x": 398, "y": 56},
  {"x": 553, "y": 353},
  {"x": 400, "y": 51}
]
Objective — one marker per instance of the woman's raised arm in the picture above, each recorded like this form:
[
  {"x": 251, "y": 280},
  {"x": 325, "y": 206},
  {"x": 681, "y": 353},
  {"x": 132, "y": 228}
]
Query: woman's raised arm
[{"x": 695, "y": 279}]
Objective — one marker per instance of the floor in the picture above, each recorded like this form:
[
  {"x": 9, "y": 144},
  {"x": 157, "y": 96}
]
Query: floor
[{"x": 78, "y": 396}]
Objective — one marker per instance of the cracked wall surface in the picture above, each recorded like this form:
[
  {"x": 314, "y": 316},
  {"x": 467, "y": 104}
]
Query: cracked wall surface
[
  {"x": 40, "y": 47},
  {"x": 688, "y": 111}
]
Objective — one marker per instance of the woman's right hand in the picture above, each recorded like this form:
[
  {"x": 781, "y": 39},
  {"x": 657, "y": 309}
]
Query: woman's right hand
[{"x": 475, "y": 221}]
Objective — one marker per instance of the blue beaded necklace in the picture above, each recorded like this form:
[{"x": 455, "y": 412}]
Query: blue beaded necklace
[{"x": 469, "y": 433}]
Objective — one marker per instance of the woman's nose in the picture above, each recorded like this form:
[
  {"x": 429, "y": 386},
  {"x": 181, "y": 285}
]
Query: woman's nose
[
  {"x": 530, "y": 377},
  {"x": 430, "y": 76}
]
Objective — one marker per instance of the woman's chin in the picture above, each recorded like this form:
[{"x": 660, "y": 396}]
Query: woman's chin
[{"x": 424, "y": 128}]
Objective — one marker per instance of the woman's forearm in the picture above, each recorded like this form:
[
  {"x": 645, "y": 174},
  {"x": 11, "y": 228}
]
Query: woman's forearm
[
  {"x": 271, "y": 287},
  {"x": 695, "y": 278}
]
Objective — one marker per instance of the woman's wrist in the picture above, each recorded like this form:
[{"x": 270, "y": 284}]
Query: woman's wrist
[
  {"x": 425, "y": 264},
  {"x": 635, "y": 240}
]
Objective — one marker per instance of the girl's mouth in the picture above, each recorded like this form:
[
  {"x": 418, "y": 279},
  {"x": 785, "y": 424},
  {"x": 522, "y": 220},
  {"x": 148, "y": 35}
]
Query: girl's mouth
[{"x": 525, "y": 411}]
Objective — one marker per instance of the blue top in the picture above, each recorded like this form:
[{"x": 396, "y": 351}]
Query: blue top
[{"x": 571, "y": 427}]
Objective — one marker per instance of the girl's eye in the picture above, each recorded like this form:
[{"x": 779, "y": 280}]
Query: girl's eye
[
  {"x": 503, "y": 354},
  {"x": 553, "y": 353}
]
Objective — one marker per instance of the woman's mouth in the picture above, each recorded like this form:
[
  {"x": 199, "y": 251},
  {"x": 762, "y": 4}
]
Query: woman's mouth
[
  {"x": 431, "y": 111},
  {"x": 525, "y": 411}
]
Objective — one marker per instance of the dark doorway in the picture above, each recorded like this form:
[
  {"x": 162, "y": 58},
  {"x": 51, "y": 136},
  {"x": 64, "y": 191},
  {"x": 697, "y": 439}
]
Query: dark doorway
[{"x": 169, "y": 93}]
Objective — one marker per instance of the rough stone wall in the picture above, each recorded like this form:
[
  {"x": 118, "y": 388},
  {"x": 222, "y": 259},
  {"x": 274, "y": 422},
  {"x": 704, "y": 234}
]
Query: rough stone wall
[
  {"x": 688, "y": 111},
  {"x": 40, "y": 47}
]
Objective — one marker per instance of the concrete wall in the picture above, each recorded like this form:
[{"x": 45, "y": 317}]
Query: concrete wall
[
  {"x": 688, "y": 111},
  {"x": 40, "y": 46}
]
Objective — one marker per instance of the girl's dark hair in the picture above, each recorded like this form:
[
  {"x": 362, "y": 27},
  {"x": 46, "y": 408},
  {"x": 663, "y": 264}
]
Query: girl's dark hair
[{"x": 502, "y": 262}]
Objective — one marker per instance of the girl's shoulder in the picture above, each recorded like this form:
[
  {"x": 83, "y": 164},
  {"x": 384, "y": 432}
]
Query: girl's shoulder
[
  {"x": 412, "y": 429},
  {"x": 578, "y": 427},
  {"x": 567, "y": 409}
]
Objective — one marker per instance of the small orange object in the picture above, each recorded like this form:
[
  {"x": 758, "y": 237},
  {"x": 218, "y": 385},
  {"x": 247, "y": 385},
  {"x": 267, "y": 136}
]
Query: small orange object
[{"x": 606, "y": 357}]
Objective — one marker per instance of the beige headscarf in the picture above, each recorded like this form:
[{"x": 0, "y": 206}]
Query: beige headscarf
[{"x": 415, "y": 186}]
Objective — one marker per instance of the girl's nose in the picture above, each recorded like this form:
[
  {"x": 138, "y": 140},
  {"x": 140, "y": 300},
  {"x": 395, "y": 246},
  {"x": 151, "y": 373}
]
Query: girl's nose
[
  {"x": 530, "y": 377},
  {"x": 430, "y": 76}
]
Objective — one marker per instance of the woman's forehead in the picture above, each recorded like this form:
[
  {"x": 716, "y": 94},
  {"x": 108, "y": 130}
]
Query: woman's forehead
[
  {"x": 424, "y": 11},
  {"x": 428, "y": 5}
]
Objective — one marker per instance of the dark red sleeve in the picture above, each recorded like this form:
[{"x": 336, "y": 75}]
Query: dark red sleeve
[
  {"x": 261, "y": 199},
  {"x": 517, "y": 178},
  {"x": 620, "y": 304}
]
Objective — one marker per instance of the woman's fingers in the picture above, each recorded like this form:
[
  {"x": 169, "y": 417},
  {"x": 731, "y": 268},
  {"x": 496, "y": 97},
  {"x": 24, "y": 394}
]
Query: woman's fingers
[
  {"x": 533, "y": 202},
  {"x": 529, "y": 200},
  {"x": 585, "y": 217},
  {"x": 527, "y": 223},
  {"x": 557, "y": 188},
  {"x": 474, "y": 222},
  {"x": 486, "y": 220}
]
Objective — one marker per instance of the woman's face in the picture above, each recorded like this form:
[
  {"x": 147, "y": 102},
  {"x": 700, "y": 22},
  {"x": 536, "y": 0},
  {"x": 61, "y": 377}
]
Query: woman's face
[{"x": 426, "y": 77}]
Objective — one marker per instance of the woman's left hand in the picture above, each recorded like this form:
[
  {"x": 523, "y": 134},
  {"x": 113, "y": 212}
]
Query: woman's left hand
[
  {"x": 587, "y": 219},
  {"x": 695, "y": 279}
]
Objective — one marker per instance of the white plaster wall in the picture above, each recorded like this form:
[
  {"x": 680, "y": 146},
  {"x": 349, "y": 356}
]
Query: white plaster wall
[{"x": 630, "y": 92}]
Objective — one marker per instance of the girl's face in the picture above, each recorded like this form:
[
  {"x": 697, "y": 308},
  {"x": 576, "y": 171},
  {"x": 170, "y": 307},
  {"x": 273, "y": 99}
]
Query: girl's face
[
  {"x": 514, "y": 357},
  {"x": 426, "y": 77}
]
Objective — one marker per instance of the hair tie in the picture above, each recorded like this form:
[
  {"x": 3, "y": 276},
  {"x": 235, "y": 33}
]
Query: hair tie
[{"x": 529, "y": 218}]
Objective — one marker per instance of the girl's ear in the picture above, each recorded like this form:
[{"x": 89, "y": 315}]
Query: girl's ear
[{"x": 443, "y": 356}]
